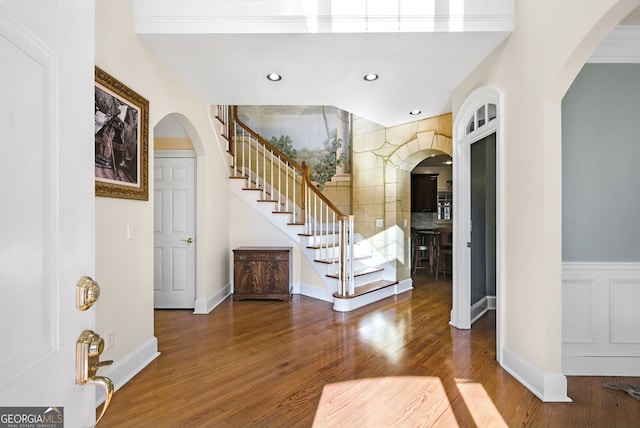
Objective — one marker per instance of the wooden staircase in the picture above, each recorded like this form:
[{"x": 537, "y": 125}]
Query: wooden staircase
[{"x": 309, "y": 220}]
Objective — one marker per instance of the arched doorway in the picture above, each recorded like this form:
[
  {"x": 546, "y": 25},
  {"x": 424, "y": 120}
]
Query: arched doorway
[
  {"x": 397, "y": 178},
  {"x": 431, "y": 215},
  {"x": 479, "y": 117},
  {"x": 174, "y": 215}
]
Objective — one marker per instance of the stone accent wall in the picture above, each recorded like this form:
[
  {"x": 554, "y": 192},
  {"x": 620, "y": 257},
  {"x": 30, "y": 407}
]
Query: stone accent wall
[
  {"x": 339, "y": 192},
  {"x": 381, "y": 180}
]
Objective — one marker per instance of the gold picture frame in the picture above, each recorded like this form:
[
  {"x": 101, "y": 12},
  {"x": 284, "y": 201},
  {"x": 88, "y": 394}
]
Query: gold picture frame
[{"x": 121, "y": 140}]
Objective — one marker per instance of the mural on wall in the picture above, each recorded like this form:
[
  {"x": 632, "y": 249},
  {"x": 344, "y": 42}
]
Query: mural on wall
[{"x": 320, "y": 136}]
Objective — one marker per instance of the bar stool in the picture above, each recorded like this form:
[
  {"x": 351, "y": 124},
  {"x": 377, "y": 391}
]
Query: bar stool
[
  {"x": 444, "y": 256},
  {"x": 418, "y": 247}
]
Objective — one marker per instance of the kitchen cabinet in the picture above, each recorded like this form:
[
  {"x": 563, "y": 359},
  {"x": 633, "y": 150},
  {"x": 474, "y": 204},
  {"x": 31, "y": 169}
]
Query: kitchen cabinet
[{"x": 424, "y": 193}]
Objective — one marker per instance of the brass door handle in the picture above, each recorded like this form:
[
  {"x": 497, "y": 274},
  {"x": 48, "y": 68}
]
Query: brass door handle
[
  {"x": 107, "y": 385},
  {"x": 188, "y": 240},
  {"x": 88, "y": 349}
]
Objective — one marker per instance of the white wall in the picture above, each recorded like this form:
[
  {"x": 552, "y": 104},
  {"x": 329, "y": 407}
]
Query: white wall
[
  {"x": 533, "y": 69},
  {"x": 124, "y": 268}
]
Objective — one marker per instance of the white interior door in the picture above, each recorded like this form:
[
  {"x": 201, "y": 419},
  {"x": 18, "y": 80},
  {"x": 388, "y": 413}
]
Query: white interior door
[
  {"x": 46, "y": 219},
  {"x": 174, "y": 239}
]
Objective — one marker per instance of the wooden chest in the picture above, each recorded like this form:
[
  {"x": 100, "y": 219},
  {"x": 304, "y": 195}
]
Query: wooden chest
[{"x": 262, "y": 273}]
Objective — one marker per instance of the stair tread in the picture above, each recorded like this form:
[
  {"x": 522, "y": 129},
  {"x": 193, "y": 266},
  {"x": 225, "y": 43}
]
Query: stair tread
[
  {"x": 336, "y": 259},
  {"x": 318, "y": 234},
  {"x": 367, "y": 288},
  {"x": 360, "y": 271},
  {"x": 318, "y": 247}
]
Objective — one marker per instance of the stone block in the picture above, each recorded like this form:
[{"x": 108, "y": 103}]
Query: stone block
[
  {"x": 373, "y": 177},
  {"x": 425, "y": 140},
  {"x": 364, "y": 196},
  {"x": 374, "y": 140},
  {"x": 372, "y": 212},
  {"x": 379, "y": 194},
  {"x": 357, "y": 143},
  {"x": 400, "y": 134},
  {"x": 357, "y": 178}
]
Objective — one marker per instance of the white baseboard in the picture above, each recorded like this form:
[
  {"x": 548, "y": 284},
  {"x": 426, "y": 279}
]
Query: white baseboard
[
  {"x": 312, "y": 291},
  {"x": 478, "y": 309},
  {"x": 600, "y": 366},
  {"x": 548, "y": 387},
  {"x": 204, "y": 306},
  {"x": 481, "y": 307},
  {"x": 492, "y": 303},
  {"x": 404, "y": 285},
  {"x": 122, "y": 370}
]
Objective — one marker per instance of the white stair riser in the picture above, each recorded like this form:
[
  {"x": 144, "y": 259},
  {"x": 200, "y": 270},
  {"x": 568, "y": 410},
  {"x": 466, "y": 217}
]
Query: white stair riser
[
  {"x": 366, "y": 279},
  {"x": 346, "y": 305},
  {"x": 317, "y": 240}
]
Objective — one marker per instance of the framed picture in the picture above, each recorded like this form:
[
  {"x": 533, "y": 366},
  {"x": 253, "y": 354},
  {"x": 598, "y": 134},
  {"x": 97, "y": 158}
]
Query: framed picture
[{"x": 121, "y": 140}]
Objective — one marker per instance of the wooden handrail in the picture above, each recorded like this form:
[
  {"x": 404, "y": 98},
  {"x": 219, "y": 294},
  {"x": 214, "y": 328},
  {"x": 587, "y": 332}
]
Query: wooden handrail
[
  {"x": 263, "y": 141},
  {"x": 304, "y": 170},
  {"x": 307, "y": 179}
]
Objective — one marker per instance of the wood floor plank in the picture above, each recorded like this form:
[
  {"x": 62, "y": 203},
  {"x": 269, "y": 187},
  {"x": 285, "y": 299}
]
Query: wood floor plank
[{"x": 301, "y": 364}]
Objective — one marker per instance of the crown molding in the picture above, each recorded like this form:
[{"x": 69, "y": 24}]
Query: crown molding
[
  {"x": 320, "y": 24},
  {"x": 622, "y": 45}
]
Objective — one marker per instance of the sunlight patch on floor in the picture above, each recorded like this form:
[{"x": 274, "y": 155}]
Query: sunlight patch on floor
[
  {"x": 480, "y": 405},
  {"x": 385, "y": 402}
]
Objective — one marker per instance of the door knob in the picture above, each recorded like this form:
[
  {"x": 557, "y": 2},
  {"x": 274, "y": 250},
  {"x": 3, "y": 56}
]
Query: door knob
[
  {"x": 88, "y": 349},
  {"x": 87, "y": 293},
  {"x": 188, "y": 240}
]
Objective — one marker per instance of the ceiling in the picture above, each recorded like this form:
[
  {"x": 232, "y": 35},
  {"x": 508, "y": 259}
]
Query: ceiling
[
  {"x": 225, "y": 48},
  {"x": 436, "y": 160}
]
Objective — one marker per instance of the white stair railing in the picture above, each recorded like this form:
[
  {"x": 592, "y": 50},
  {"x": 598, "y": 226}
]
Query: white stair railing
[
  {"x": 346, "y": 276},
  {"x": 288, "y": 185}
]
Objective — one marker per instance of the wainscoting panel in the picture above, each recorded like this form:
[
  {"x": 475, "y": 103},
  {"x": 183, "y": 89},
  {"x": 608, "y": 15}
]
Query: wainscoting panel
[
  {"x": 578, "y": 298},
  {"x": 625, "y": 311},
  {"x": 601, "y": 319}
]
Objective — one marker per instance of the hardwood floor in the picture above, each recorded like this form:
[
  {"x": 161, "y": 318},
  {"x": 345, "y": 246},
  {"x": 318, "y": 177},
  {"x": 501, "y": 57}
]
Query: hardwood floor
[{"x": 300, "y": 364}]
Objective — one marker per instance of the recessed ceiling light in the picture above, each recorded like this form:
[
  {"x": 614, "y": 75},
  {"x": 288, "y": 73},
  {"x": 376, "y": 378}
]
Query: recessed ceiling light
[
  {"x": 274, "y": 77},
  {"x": 415, "y": 112},
  {"x": 371, "y": 77}
]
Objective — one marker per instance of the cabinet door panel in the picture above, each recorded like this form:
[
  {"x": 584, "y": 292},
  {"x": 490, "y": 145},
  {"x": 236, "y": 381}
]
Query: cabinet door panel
[{"x": 424, "y": 193}]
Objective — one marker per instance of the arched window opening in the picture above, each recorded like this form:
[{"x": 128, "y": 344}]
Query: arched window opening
[{"x": 481, "y": 117}]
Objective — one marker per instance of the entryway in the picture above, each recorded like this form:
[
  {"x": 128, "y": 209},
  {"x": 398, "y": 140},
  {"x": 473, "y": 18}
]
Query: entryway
[
  {"x": 174, "y": 231},
  {"x": 483, "y": 226}
]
